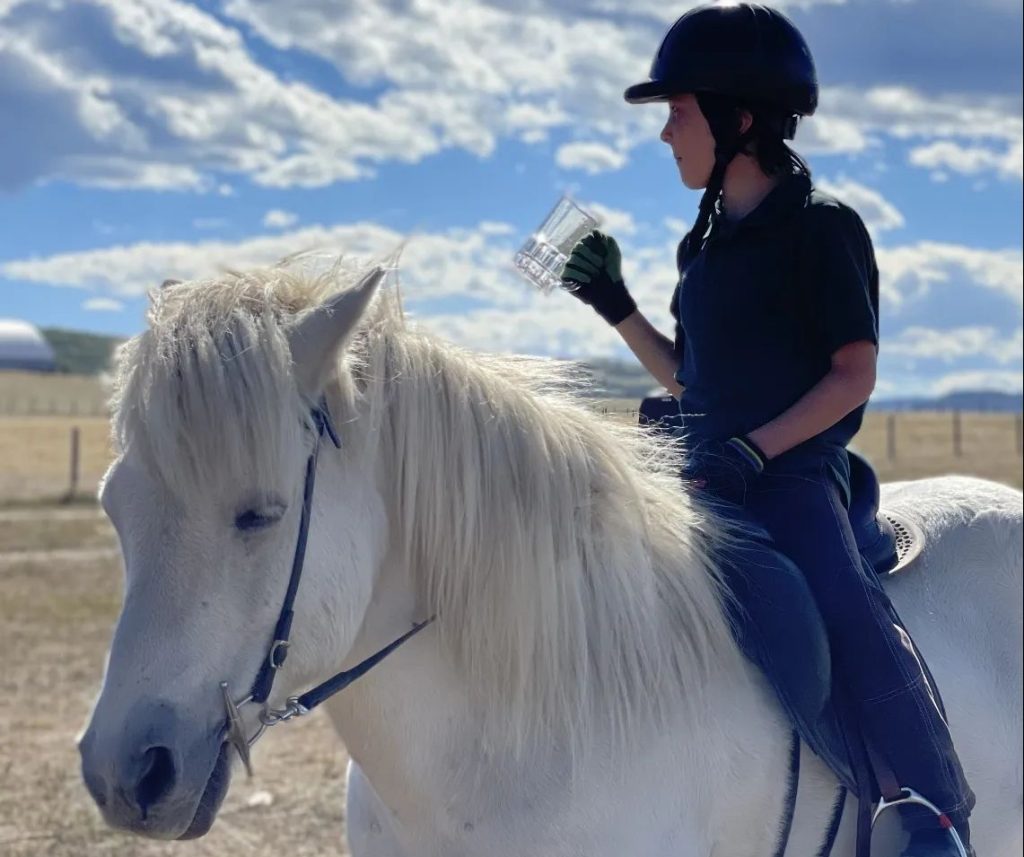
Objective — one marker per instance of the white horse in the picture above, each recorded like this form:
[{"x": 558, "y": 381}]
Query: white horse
[{"x": 579, "y": 693}]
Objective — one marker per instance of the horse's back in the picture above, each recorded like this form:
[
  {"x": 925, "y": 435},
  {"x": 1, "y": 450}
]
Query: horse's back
[
  {"x": 961, "y": 601},
  {"x": 972, "y": 552}
]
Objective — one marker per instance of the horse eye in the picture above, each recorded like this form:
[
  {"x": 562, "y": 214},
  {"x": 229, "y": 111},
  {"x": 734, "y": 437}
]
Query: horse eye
[{"x": 258, "y": 519}]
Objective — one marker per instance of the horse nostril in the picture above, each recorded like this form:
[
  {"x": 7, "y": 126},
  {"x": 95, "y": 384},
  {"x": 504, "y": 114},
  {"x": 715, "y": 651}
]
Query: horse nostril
[{"x": 156, "y": 779}]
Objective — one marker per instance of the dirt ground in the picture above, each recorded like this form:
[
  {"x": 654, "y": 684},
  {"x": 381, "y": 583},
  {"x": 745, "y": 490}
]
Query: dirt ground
[{"x": 58, "y": 602}]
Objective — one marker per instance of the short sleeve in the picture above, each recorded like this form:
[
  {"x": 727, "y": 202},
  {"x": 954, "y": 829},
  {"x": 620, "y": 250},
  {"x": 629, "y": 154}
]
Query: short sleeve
[{"x": 842, "y": 274}]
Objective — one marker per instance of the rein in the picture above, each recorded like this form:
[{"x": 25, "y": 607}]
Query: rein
[
  {"x": 789, "y": 808},
  {"x": 296, "y": 706}
]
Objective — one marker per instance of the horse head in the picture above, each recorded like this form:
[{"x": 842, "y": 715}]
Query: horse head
[{"x": 214, "y": 436}]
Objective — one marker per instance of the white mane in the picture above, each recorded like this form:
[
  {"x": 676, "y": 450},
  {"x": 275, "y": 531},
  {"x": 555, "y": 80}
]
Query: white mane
[{"x": 559, "y": 550}]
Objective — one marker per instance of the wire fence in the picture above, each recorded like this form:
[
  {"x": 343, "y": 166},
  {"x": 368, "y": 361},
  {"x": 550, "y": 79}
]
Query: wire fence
[
  {"x": 58, "y": 453},
  {"x": 42, "y": 406},
  {"x": 941, "y": 422}
]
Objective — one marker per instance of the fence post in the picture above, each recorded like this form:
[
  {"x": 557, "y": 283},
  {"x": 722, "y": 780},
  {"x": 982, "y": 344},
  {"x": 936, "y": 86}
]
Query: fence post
[
  {"x": 75, "y": 448},
  {"x": 957, "y": 435},
  {"x": 890, "y": 436}
]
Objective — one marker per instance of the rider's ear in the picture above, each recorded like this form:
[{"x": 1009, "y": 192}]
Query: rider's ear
[{"x": 318, "y": 338}]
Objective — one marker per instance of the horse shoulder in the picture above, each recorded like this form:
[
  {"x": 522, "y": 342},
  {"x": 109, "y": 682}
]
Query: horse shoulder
[{"x": 369, "y": 824}]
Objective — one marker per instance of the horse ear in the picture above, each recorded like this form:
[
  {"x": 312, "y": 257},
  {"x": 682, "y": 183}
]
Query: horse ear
[{"x": 318, "y": 338}]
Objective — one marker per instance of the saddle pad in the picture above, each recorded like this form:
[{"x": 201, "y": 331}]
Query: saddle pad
[{"x": 909, "y": 540}]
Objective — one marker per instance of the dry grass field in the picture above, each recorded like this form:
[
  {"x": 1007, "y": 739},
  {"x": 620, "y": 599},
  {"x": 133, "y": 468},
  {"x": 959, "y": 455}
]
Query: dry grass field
[
  {"x": 35, "y": 457},
  {"x": 60, "y": 589},
  {"x": 924, "y": 443},
  {"x": 37, "y": 414},
  {"x": 29, "y": 393}
]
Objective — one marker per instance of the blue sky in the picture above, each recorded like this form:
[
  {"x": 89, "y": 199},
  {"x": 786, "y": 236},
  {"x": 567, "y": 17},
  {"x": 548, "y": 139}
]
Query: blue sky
[{"x": 158, "y": 139}]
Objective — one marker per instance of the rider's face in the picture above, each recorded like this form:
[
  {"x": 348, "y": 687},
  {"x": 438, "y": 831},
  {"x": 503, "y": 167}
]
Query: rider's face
[{"x": 688, "y": 135}]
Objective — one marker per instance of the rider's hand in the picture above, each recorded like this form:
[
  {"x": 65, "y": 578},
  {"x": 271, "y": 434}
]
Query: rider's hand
[
  {"x": 726, "y": 469},
  {"x": 593, "y": 273}
]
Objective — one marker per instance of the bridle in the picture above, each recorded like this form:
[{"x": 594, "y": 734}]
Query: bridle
[{"x": 296, "y": 706}]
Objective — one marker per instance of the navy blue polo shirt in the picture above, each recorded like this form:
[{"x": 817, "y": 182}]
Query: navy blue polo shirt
[{"x": 764, "y": 305}]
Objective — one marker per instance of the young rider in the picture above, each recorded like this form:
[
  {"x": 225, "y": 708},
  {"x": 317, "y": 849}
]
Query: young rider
[{"x": 774, "y": 359}]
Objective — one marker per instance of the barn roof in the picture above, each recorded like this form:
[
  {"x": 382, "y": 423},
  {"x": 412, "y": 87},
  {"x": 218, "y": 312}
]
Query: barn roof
[{"x": 22, "y": 346}]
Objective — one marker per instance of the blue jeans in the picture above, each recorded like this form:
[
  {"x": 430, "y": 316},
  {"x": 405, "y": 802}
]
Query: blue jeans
[{"x": 801, "y": 501}]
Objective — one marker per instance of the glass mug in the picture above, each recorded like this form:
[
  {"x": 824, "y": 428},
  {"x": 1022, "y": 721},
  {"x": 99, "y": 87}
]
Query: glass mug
[{"x": 542, "y": 258}]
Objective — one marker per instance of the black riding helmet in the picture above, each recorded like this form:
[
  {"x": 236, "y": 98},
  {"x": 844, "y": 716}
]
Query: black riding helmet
[
  {"x": 744, "y": 50},
  {"x": 729, "y": 55}
]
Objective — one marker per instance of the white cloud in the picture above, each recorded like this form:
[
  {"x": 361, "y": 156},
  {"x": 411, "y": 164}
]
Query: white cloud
[
  {"x": 278, "y": 219},
  {"x": 1006, "y": 381},
  {"x": 853, "y": 121},
  {"x": 102, "y": 305},
  {"x": 158, "y": 94},
  {"x": 970, "y": 160},
  {"x": 908, "y": 273},
  {"x": 613, "y": 221},
  {"x": 463, "y": 264},
  {"x": 878, "y": 214},
  {"x": 592, "y": 158},
  {"x": 830, "y": 134},
  {"x": 908, "y": 113},
  {"x": 132, "y": 269},
  {"x": 460, "y": 282},
  {"x": 954, "y": 344}
]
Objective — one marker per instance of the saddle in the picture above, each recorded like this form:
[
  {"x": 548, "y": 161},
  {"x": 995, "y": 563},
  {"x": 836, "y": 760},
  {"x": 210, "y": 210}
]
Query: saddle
[{"x": 888, "y": 542}]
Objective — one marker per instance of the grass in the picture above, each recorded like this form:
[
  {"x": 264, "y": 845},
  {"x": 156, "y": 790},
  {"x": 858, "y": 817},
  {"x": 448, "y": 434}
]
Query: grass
[
  {"x": 35, "y": 456},
  {"x": 34, "y": 394},
  {"x": 924, "y": 446},
  {"x": 84, "y": 528},
  {"x": 35, "y": 451},
  {"x": 56, "y": 619}
]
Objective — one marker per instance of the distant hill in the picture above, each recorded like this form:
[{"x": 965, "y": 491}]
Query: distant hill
[
  {"x": 80, "y": 353},
  {"x": 621, "y": 379},
  {"x": 963, "y": 400}
]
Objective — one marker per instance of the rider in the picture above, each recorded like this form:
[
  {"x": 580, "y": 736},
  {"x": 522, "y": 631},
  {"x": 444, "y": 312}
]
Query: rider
[{"x": 774, "y": 359}]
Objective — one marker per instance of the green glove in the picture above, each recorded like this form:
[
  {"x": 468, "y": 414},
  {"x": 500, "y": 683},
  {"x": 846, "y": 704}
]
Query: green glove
[{"x": 593, "y": 273}]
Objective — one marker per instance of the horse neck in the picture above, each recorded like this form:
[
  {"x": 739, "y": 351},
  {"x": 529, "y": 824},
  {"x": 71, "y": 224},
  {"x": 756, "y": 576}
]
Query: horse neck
[
  {"x": 411, "y": 726},
  {"x": 558, "y": 552}
]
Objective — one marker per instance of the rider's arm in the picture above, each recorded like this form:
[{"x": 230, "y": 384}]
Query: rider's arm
[
  {"x": 846, "y": 386},
  {"x": 653, "y": 349}
]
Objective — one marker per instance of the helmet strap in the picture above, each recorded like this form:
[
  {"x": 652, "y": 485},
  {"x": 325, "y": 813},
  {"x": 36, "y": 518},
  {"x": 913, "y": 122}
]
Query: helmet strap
[{"x": 724, "y": 154}]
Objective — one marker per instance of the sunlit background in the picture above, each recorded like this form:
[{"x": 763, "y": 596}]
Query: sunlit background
[
  {"x": 148, "y": 139},
  {"x": 152, "y": 139}
]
